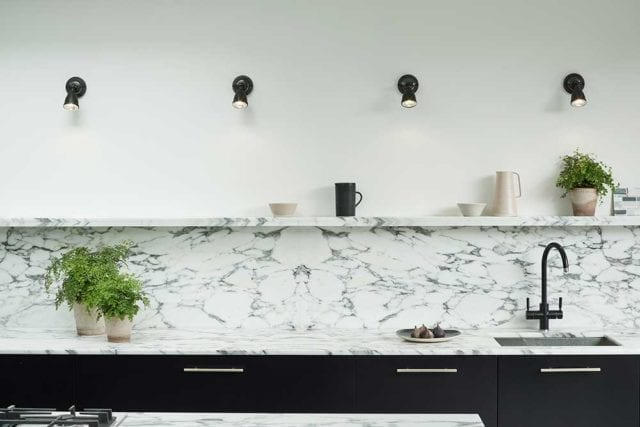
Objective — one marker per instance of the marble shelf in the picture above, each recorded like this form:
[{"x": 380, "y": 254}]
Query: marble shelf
[{"x": 279, "y": 222}]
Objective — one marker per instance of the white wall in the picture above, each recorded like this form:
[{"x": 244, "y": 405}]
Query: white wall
[{"x": 156, "y": 134}]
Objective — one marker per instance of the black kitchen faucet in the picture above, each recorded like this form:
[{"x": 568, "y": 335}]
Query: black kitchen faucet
[{"x": 544, "y": 314}]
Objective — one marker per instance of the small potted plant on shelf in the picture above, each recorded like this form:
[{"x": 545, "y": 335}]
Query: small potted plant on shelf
[
  {"x": 77, "y": 274},
  {"x": 584, "y": 179}
]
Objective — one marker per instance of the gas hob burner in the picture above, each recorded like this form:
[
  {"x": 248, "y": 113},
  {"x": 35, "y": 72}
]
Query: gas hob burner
[{"x": 15, "y": 417}]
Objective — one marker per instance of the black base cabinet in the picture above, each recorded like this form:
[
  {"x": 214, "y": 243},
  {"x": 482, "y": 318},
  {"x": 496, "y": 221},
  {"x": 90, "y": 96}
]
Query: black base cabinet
[
  {"x": 37, "y": 381},
  {"x": 428, "y": 384},
  {"x": 507, "y": 391},
  {"x": 567, "y": 391},
  {"x": 217, "y": 383}
]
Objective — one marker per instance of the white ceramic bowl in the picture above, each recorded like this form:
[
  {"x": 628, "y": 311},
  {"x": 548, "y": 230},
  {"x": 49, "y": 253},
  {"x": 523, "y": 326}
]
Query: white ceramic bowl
[
  {"x": 283, "y": 209},
  {"x": 471, "y": 209}
]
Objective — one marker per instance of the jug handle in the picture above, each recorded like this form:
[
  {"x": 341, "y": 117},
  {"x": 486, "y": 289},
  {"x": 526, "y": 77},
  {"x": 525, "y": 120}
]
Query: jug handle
[
  {"x": 360, "y": 194},
  {"x": 519, "y": 186}
]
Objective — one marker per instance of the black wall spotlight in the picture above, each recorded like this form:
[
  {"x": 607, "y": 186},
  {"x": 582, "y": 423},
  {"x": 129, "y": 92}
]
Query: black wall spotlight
[
  {"x": 76, "y": 87},
  {"x": 242, "y": 86},
  {"x": 408, "y": 86},
  {"x": 574, "y": 84}
]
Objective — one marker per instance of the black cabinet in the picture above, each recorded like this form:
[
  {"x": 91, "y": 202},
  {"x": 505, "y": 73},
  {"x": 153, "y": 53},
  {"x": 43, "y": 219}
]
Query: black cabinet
[
  {"x": 304, "y": 384},
  {"x": 37, "y": 381},
  {"x": 561, "y": 391},
  {"x": 430, "y": 384},
  {"x": 162, "y": 383},
  {"x": 217, "y": 383},
  {"x": 523, "y": 391}
]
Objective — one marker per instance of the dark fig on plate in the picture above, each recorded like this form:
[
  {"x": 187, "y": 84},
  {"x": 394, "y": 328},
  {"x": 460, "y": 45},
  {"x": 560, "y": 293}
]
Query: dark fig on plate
[
  {"x": 438, "y": 332},
  {"x": 425, "y": 332},
  {"x": 416, "y": 332}
]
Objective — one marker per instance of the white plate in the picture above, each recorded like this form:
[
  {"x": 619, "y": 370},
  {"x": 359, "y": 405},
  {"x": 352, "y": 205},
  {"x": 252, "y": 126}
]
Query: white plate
[{"x": 405, "y": 334}]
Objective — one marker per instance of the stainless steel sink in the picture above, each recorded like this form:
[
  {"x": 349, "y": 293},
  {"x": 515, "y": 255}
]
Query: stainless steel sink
[{"x": 555, "y": 341}]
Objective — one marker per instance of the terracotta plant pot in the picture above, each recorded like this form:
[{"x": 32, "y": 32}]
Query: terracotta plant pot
[
  {"x": 118, "y": 330},
  {"x": 87, "y": 322},
  {"x": 584, "y": 201}
]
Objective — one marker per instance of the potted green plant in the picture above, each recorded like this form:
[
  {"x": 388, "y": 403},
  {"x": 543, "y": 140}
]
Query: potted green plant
[
  {"x": 584, "y": 179},
  {"x": 73, "y": 276},
  {"x": 76, "y": 274},
  {"x": 118, "y": 298}
]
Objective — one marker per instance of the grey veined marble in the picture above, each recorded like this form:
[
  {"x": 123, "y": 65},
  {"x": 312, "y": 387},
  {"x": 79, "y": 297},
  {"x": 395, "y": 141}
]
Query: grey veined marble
[
  {"x": 319, "y": 342},
  {"x": 297, "y": 420},
  {"x": 331, "y": 221},
  {"x": 343, "y": 277}
]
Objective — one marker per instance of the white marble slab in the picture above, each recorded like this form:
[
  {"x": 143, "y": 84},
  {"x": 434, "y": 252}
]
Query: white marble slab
[
  {"x": 432, "y": 221},
  {"x": 296, "y": 420},
  {"x": 267, "y": 342},
  {"x": 307, "y": 278}
]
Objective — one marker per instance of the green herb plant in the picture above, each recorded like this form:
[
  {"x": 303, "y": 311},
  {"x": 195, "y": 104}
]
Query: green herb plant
[
  {"x": 94, "y": 278},
  {"x": 580, "y": 170},
  {"x": 118, "y": 296}
]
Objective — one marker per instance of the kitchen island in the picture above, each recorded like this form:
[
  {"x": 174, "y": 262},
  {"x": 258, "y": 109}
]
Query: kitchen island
[{"x": 296, "y": 420}]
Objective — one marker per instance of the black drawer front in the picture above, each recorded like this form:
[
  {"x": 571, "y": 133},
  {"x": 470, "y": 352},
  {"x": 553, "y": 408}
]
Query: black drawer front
[
  {"x": 152, "y": 383},
  {"x": 37, "y": 381},
  {"x": 217, "y": 383},
  {"x": 305, "y": 384},
  {"x": 428, "y": 384},
  {"x": 569, "y": 391}
]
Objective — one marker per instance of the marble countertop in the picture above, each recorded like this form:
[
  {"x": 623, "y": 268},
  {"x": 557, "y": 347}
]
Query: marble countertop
[
  {"x": 280, "y": 342},
  {"x": 295, "y": 221},
  {"x": 297, "y": 420}
]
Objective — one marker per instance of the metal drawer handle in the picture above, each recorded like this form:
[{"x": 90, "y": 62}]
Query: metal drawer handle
[
  {"x": 560, "y": 370},
  {"x": 215, "y": 370},
  {"x": 427, "y": 371}
]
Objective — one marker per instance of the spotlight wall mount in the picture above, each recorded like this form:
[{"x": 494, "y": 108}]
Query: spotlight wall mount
[
  {"x": 408, "y": 86},
  {"x": 76, "y": 88},
  {"x": 242, "y": 86},
  {"x": 574, "y": 84}
]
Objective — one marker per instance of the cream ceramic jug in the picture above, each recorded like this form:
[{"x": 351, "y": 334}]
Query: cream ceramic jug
[{"x": 504, "y": 198}]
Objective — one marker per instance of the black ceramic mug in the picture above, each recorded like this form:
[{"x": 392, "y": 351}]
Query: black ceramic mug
[{"x": 346, "y": 198}]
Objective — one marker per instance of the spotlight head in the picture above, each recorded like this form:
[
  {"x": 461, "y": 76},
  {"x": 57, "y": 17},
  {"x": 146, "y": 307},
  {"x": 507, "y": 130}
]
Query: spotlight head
[
  {"x": 240, "y": 100},
  {"x": 71, "y": 102},
  {"x": 408, "y": 86},
  {"x": 76, "y": 88},
  {"x": 574, "y": 84},
  {"x": 242, "y": 86},
  {"x": 578, "y": 99},
  {"x": 409, "y": 100}
]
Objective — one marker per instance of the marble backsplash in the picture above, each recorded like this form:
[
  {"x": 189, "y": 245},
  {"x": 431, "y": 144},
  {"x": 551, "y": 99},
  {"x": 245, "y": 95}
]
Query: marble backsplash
[{"x": 314, "y": 277}]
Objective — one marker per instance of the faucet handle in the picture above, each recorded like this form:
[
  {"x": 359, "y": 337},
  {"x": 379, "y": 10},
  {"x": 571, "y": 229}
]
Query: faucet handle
[{"x": 560, "y": 304}]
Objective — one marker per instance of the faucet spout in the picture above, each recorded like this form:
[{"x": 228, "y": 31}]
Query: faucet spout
[
  {"x": 545, "y": 256},
  {"x": 563, "y": 255}
]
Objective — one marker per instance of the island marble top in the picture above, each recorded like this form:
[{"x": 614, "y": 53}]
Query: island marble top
[
  {"x": 282, "y": 342},
  {"x": 297, "y": 420}
]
